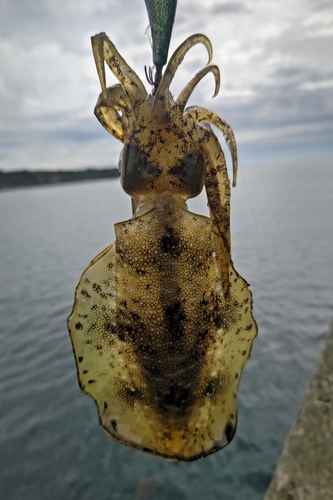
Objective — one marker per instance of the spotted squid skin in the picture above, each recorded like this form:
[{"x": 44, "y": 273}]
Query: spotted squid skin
[
  {"x": 156, "y": 344},
  {"x": 162, "y": 323}
]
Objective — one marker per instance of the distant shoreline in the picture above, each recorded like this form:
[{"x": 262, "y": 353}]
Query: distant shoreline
[{"x": 30, "y": 178}]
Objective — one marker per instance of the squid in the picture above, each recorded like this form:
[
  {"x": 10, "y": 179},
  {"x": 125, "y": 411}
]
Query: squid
[{"x": 162, "y": 323}]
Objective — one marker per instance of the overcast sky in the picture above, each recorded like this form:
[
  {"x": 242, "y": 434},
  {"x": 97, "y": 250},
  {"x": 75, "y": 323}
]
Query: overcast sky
[{"x": 275, "y": 58}]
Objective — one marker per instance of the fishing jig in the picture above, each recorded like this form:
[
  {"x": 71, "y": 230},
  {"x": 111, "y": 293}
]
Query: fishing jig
[{"x": 162, "y": 323}]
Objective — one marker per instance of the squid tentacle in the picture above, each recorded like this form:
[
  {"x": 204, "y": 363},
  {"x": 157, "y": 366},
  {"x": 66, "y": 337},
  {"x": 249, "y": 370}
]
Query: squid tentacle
[
  {"x": 217, "y": 186},
  {"x": 186, "y": 93},
  {"x": 112, "y": 100},
  {"x": 173, "y": 64},
  {"x": 104, "y": 50},
  {"x": 198, "y": 114}
]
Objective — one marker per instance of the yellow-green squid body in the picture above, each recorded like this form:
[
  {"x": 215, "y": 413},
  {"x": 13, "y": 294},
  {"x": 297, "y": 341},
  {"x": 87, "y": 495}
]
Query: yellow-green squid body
[{"x": 162, "y": 323}]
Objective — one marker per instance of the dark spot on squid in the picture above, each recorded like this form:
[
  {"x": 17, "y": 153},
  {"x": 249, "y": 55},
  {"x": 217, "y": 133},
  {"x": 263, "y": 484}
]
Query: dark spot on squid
[
  {"x": 78, "y": 326},
  {"x": 174, "y": 318},
  {"x": 97, "y": 287},
  {"x": 85, "y": 293},
  {"x": 153, "y": 170},
  {"x": 91, "y": 381},
  {"x": 114, "y": 425},
  {"x": 80, "y": 359},
  {"x": 203, "y": 334},
  {"x": 177, "y": 396},
  {"x": 170, "y": 243},
  {"x": 229, "y": 431}
]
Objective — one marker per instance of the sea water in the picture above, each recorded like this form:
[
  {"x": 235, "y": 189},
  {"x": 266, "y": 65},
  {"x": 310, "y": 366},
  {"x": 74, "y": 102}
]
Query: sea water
[{"x": 51, "y": 446}]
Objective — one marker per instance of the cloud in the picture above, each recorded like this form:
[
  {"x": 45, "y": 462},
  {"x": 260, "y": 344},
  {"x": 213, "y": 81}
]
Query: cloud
[
  {"x": 229, "y": 8},
  {"x": 274, "y": 57}
]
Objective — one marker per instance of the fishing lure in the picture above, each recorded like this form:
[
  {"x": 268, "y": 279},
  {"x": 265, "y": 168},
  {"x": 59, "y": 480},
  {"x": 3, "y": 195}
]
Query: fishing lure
[{"x": 162, "y": 323}]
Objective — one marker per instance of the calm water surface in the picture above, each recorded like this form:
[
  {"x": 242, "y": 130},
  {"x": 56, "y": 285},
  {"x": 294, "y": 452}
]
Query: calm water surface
[{"x": 51, "y": 444}]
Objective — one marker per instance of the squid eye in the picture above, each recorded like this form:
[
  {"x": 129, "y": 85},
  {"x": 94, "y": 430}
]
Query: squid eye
[
  {"x": 133, "y": 159},
  {"x": 191, "y": 162},
  {"x": 133, "y": 170},
  {"x": 131, "y": 163},
  {"x": 188, "y": 175}
]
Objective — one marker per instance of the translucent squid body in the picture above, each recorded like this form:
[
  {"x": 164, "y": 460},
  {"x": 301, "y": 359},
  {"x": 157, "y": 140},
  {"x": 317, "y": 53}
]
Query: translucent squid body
[{"x": 162, "y": 322}]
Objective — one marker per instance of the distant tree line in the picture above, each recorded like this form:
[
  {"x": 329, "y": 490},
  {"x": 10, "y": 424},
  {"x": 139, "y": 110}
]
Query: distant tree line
[{"x": 26, "y": 178}]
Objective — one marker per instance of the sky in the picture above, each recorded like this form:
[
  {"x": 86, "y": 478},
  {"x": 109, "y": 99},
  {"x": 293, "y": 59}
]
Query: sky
[{"x": 275, "y": 59}]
